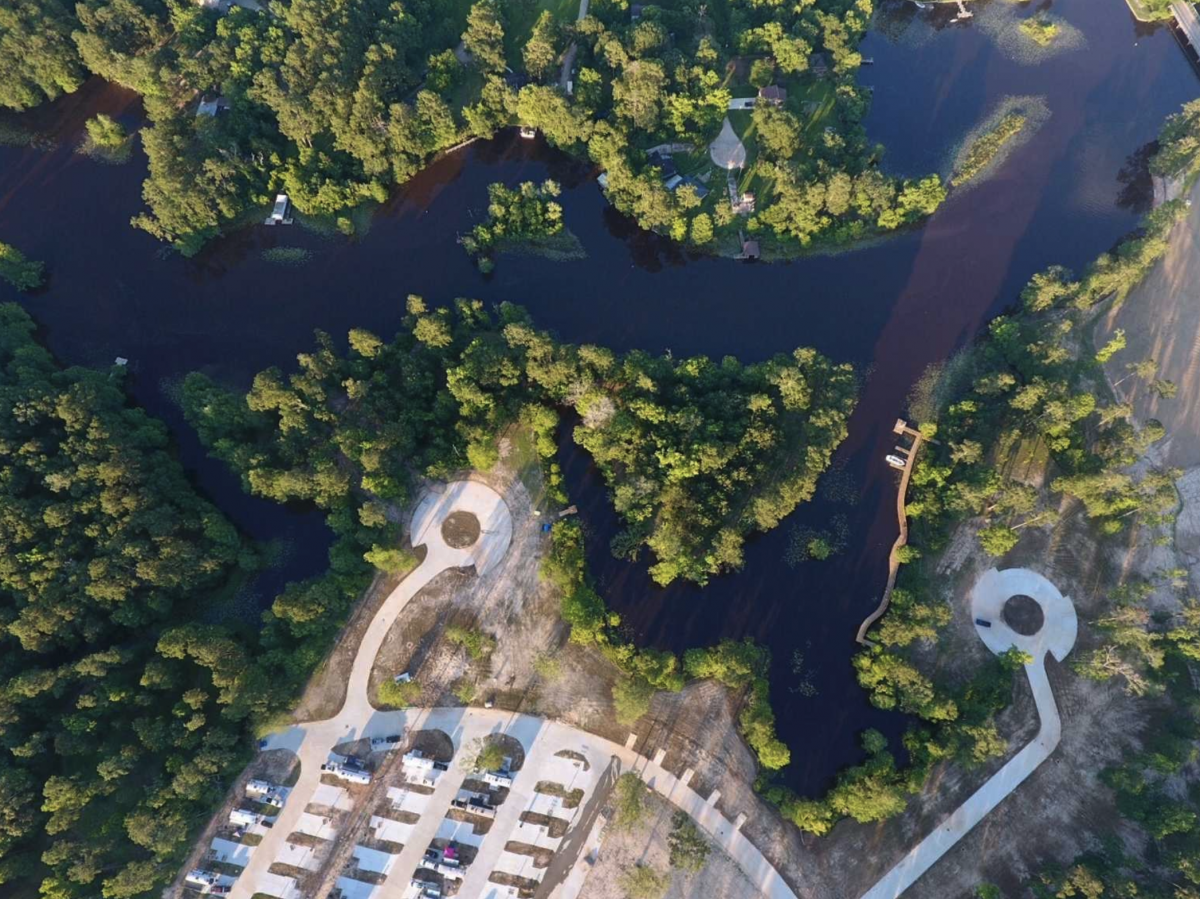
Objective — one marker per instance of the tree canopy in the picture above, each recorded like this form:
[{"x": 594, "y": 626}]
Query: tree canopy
[
  {"x": 122, "y": 711},
  {"x": 697, "y": 454},
  {"x": 336, "y": 101}
]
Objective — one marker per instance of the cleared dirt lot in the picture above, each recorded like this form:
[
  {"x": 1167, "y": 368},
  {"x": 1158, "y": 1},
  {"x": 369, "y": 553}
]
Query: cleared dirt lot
[{"x": 646, "y": 844}]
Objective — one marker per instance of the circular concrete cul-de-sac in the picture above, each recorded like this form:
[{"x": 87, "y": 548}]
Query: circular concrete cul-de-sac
[
  {"x": 1003, "y": 606},
  {"x": 461, "y": 524}
]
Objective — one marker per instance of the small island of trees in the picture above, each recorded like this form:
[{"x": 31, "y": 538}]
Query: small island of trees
[
  {"x": 1040, "y": 29},
  {"x": 525, "y": 219}
]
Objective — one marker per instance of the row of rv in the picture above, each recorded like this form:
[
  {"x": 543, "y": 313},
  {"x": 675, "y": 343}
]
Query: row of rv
[
  {"x": 445, "y": 862},
  {"x": 241, "y": 818}
]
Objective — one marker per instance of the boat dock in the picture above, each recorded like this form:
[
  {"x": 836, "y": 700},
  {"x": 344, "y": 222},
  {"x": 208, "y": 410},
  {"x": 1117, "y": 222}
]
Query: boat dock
[{"x": 907, "y": 455}]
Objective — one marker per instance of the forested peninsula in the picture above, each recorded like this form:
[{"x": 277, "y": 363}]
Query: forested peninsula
[
  {"x": 334, "y": 103},
  {"x": 697, "y": 454},
  {"x": 121, "y": 710}
]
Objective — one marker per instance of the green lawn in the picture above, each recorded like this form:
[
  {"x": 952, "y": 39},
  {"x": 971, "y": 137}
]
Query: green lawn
[
  {"x": 467, "y": 90},
  {"x": 743, "y": 123},
  {"x": 519, "y": 24},
  {"x": 803, "y": 91}
]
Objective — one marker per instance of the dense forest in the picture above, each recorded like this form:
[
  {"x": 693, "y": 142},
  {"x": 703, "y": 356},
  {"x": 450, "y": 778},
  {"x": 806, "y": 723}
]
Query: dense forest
[
  {"x": 696, "y": 453},
  {"x": 335, "y": 101},
  {"x": 121, "y": 708},
  {"x": 1026, "y": 425}
]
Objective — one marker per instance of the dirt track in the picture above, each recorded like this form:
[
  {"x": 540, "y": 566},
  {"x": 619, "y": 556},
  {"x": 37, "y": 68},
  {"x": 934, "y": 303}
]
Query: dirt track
[{"x": 1161, "y": 319}]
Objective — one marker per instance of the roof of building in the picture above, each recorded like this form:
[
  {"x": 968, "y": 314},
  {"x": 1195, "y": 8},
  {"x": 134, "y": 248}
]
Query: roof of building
[
  {"x": 665, "y": 164},
  {"x": 210, "y": 106},
  {"x": 773, "y": 92}
]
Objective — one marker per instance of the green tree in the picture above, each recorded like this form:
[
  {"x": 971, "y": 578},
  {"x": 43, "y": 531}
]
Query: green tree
[
  {"x": 689, "y": 848},
  {"x": 484, "y": 37},
  {"x": 778, "y": 131},
  {"x": 643, "y": 882},
  {"x": 631, "y": 698},
  {"x": 541, "y": 50},
  {"x": 21, "y": 273},
  {"x": 38, "y": 59},
  {"x": 629, "y": 802}
]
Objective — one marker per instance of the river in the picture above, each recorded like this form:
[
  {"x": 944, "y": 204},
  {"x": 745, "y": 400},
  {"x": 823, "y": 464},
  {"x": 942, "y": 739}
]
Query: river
[{"x": 891, "y": 309}]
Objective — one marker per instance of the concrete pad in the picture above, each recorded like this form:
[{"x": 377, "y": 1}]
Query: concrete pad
[
  {"x": 297, "y": 856},
  {"x": 332, "y": 797},
  {"x": 728, "y": 151},
  {"x": 459, "y": 832},
  {"x": 392, "y": 831},
  {"x": 374, "y": 860},
  {"x": 276, "y": 885},
  {"x": 545, "y": 804},
  {"x": 495, "y": 524},
  {"x": 535, "y": 835},
  {"x": 231, "y": 852},
  {"x": 568, "y": 774},
  {"x": 496, "y": 891},
  {"x": 995, "y": 588},
  {"x": 356, "y": 889},
  {"x": 408, "y": 801},
  {"x": 520, "y": 865},
  {"x": 316, "y": 826}
]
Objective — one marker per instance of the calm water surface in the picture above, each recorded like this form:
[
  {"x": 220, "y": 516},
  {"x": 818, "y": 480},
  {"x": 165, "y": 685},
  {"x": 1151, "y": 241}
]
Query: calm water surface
[{"x": 892, "y": 309}]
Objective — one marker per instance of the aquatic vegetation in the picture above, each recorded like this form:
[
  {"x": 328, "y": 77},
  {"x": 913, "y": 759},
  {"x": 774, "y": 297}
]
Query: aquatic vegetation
[{"x": 286, "y": 255}]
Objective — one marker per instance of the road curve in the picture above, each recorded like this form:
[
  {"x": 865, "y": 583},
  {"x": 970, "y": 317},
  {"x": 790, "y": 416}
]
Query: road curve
[
  {"x": 1056, "y": 637},
  {"x": 312, "y": 742}
]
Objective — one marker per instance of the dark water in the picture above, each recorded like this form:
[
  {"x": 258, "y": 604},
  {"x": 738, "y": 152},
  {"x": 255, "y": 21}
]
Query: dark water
[{"x": 892, "y": 309}]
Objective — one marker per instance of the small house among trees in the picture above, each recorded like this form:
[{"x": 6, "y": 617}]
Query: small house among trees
[{"x": 773, "y": 94}]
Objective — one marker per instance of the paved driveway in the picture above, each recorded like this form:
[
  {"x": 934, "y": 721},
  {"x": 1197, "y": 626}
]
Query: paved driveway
[
  {"x": 542, "y": 740},
  {"x": 1056, "y": 636}
]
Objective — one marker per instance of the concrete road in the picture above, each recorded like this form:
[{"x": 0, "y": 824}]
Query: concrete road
[
  {"x": 542, "y": 740},
  {"x": 1057, "y": 636},
  {"x": 313, "y": 742}
]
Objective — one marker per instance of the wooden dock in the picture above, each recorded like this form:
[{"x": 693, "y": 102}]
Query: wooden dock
[{"x": 909, "y": 455}]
